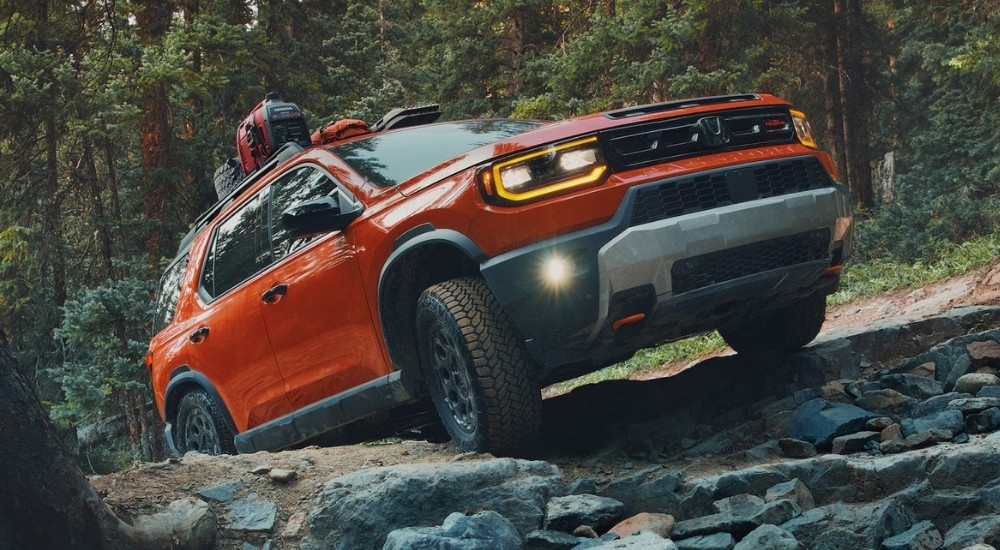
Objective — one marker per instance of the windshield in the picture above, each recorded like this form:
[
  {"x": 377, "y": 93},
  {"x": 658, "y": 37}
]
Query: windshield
[{"x": 393, "y": 157}]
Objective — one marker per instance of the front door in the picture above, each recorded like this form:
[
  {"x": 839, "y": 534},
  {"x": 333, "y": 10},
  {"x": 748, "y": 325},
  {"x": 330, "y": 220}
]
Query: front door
[{"x": 317, "y": 317}]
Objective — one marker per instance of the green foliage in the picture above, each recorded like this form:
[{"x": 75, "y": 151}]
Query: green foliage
[
  {"x": 14, "y": 252},
  {"x": 648, "y": 360},
  {"x": 104, "y": 332},
  {"x": 944, "y": 259},
  {"x": 946, "y": 120}
]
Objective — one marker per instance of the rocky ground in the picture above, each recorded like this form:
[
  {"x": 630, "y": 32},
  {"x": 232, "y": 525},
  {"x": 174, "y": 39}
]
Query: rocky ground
[{"x": 722, "y": 415}]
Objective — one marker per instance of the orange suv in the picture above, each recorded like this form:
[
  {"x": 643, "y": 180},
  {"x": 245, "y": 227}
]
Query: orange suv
[{"x": 357, "y": 287}]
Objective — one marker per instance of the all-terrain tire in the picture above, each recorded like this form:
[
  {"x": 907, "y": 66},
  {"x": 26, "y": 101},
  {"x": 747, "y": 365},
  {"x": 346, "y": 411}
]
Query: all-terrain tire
[
  {"x": 201, "y": 426},
  {"x": 786, "y": 329},
  {"x": 480, "y": 379},
  {"x": 227, "y": 176}
]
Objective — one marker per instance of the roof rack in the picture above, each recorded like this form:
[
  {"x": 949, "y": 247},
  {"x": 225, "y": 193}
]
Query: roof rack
[
  {"x": 673, "y": 105},
  {"x": 285, "y": 152}
]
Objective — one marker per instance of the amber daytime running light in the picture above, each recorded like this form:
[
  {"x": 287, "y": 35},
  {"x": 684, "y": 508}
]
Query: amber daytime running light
[
  {"x": 548, "y": 171},
  {"x": 802, "y": 128}
]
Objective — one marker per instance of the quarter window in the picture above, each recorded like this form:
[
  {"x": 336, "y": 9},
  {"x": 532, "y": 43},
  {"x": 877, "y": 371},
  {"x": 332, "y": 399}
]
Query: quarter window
[{"x": 169, "y": 293}]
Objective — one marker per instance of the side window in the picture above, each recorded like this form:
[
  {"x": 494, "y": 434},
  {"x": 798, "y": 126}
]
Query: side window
[
  {"x": 291, "y": 189},
  {"x": 238, "y": 250},
  {"x": 169, "y": 293}
]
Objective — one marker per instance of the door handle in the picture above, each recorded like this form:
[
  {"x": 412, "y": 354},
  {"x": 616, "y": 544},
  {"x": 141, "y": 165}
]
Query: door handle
[
  {"x": 199, "y": 335},
  {"x": 274, "y": 293}
]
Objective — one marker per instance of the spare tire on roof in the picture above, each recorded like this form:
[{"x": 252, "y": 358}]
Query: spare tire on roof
[{"x": 227, "y": 176}]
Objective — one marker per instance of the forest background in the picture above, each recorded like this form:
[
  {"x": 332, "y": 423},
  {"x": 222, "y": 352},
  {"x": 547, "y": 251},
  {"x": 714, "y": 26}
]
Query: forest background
[{"x": 116, "y": 114}]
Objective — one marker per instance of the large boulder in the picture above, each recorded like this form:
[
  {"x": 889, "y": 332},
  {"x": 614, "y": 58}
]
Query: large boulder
[{"x": 358, "y": 510}]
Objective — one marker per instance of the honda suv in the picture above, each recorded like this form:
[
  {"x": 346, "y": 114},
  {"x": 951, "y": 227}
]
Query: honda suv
[{"x": 456, "y": 268}]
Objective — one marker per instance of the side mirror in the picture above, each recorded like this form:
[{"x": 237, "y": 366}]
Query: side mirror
[{"x": 319, "y": 216}]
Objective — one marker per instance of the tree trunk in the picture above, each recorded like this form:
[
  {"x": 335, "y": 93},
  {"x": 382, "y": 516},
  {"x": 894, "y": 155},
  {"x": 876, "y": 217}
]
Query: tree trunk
[
  {"x": 53, "y": 214},
  {"x": 153, "y": 22},
  {"x": 87, "y": 168},
  {"x": 46, "y": 501},
  {"x": 856, "y": 109},
  {"x": 834, "y": 123}
]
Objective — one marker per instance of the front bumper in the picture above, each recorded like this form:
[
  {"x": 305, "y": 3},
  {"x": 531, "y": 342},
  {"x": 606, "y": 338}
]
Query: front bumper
[{"x": 637, "y": 285}]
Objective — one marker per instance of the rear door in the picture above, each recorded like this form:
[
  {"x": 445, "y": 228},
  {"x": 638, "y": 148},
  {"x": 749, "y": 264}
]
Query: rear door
[{"x": 313, "y": 303}]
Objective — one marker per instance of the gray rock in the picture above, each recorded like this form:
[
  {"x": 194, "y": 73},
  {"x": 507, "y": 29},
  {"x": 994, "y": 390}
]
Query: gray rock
[
  {"x": 359, "y": 509},
  {"x": 977, "y": 530},
  {"x": 989, "y": 391},
  {"x": 738, "y": 505},
  {"x": 936, "y": 404},
  {"x": 649, "y": 490},
  {"x": 251, "y": 515},
  {"x": 950, "y": 419},
  {"x": 986, "y": 421},
  {"x": 853, "y": 443},
  {"x": 768, "y": 536},
  {"x": 281, "y": 475},
  {"x": 973, "y": 405},
  {"x": 482, "y": 531},
  {"x": 956, "y": 369},
  {"x": 222, "y": 493},
  {"x": 718, "y": 541},
  {"x": 568, "y": 512},
  {"x": 796, "y": 448},
  {"x": 922, "y": 536},
  {"x": 642, "y": 541},
  {"x": 543, "y": 539},
  {"x": 886, "y": 400},
  {"x": 920, "y": 387},
  {"x": 738, "y": 526},
  {"x": 755, "y": 481},
  {"x": 967, "y": 467},
  {"x": 697, "y": 500},
  {"x": 819, "y": 421},
  {"x": 974, "y": 382},
  {"x": 793, "y": 490}
]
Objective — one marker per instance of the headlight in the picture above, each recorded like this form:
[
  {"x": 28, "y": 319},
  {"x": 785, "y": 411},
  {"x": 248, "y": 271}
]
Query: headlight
[
  {"x": 548, "y": 171},
  {"x": 802, "y": 129}
]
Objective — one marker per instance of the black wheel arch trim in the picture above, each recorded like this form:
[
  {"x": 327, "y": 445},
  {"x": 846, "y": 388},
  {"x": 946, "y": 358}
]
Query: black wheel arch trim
[
  {"x": 419, "y": 237},
  {"x": 184, "y": 376}
]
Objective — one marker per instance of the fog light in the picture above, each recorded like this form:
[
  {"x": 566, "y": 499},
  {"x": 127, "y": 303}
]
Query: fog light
[{"x": 557, "y": 270}]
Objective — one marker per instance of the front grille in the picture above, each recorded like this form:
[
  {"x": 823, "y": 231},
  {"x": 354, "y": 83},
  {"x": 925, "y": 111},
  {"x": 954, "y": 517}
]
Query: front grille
[
  {"x": 749, "y": 259},
  {"x": 724, "y": 187},
  {"x": 686, "y": 136}
]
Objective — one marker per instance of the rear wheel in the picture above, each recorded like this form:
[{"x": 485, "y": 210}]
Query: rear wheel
[
  {"x": 786, "y": 329},
  {"x": 201, "y": 426},
  {"x": 479, "y": 377}
]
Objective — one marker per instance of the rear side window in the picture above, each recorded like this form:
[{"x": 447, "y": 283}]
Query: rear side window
[
  {"x": 169, "y": 293},
  {"x": 238, "y": 251}
]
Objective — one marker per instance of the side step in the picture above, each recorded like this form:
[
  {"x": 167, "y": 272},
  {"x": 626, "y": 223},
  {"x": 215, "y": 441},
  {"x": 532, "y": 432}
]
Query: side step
[{"x": 376, "y": 396}]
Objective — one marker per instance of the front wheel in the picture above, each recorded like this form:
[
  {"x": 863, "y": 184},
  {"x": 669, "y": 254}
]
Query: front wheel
[
  {"x": 201, "y": 427},
  {"x": 479, "y": 376},
  {"x": 785, "y": 329}
]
